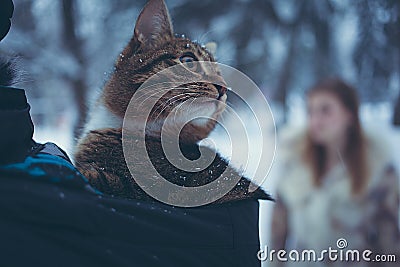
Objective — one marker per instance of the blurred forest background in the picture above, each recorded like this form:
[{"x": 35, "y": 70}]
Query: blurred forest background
[{"x": 67, "y": 49}]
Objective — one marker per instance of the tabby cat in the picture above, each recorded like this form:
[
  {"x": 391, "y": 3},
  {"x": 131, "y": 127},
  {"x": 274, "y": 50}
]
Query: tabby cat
[{"x": 99, "y": 154}]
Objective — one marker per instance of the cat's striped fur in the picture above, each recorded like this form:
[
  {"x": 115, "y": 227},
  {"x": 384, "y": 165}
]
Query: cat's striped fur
[{"x": 152, "y": 48}]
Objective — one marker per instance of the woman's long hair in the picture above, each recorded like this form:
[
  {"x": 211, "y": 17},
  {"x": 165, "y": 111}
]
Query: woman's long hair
[{"x": 354, "y": 154}]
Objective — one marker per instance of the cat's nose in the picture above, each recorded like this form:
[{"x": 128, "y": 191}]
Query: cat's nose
[{"x": 221, "y": 90}]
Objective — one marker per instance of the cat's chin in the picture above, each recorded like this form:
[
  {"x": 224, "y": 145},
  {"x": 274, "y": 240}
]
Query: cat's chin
[{"x": 205, "y": 112}]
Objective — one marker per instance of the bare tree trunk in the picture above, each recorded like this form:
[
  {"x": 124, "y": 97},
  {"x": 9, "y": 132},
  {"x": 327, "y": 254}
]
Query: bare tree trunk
[
  {"x": 396, "y": 112},
  {"x": 282, "y": 89},
  {"x": 74, "y": 45},
  {"x": 396, "y": 116}
]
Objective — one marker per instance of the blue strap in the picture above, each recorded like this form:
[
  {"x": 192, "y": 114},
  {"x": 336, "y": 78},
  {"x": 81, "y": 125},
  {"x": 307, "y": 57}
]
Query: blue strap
[{"x": 48, "y": 164}]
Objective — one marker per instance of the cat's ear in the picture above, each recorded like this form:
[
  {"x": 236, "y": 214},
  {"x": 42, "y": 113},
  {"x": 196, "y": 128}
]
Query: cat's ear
[
  {"x": 212, "y": 48},
  {"x": 153, "y": 24}
]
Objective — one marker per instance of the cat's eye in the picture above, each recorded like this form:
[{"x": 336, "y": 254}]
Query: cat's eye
[{"x": 188, "y": 60}]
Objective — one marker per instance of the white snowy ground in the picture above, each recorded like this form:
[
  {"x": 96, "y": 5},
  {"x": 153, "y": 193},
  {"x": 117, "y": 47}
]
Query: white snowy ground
[{"x": 375, "y": 118}]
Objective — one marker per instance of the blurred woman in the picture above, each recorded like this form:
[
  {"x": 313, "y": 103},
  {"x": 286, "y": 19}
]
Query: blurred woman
[{"x": 336, "y": 183}]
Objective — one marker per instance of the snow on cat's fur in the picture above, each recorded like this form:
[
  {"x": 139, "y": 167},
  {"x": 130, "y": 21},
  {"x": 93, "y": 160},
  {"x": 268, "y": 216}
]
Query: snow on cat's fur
[{"x": 153, "y": 48}]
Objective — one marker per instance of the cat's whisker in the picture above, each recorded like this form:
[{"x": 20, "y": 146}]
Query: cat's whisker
[
  {"x": 158, "y": 91},
  {"x": 172, "y": 100},
  {"x": 148, "y": 95},
  {"x": 152, "y": 92},
  {"x": 189, "y": 106},
  {"x": 182, "y": 94},
  {"x": 204, "y": 35},
  {"x": 177, "y": 109},
  {"x": 176, "y": 100},
  {"x": 168, "y": 102},
  {"x": 180, "y": 106}
]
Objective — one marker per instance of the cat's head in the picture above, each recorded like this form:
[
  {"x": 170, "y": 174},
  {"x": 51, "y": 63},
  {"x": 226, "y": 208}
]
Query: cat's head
[{"x": 154, "y": 47}]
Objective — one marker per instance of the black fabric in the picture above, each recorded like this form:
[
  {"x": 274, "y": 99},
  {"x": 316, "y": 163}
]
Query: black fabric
[
  {"x": 45, "y": 224},
  {"x": 12, "y": 98},
  {"x": 52, "y": 217},
  {"x": 16, "y": 125},
  {"x": 6, "y": 12}
]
